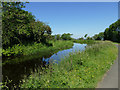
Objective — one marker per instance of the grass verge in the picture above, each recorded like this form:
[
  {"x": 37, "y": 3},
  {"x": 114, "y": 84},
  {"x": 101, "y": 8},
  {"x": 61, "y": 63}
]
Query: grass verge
[{"x": 79, "y": 70}]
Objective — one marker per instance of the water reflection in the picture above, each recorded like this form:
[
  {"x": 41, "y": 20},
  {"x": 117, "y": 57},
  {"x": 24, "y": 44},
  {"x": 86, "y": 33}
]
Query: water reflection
[
  {"x": 16, "y": 71},
  {"x": 64, "y": 53}
]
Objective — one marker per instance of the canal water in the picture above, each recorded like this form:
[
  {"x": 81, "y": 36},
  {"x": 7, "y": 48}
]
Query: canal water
[
  {"x": 17, "y": 71},
  {"x": 64, "y": 53}
]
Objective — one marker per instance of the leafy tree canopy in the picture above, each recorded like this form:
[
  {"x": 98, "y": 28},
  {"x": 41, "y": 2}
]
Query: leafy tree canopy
[
  {"x": 19, "y": 26},
  {"x": 66, "y": 36},
  {"x": 111, "y": 33}
]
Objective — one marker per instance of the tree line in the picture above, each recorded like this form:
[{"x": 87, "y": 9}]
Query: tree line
[{"x": 110, "y": 33}]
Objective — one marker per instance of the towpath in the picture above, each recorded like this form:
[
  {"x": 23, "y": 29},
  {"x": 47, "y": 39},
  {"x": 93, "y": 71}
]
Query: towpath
[{"x": 110, "y": 79}]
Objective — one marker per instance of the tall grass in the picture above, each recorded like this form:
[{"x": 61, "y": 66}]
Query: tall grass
[{"x": 79, "y": 70}]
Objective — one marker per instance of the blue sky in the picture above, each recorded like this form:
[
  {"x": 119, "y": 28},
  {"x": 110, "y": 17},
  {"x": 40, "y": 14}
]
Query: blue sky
[{"x": 78, "y": 18}]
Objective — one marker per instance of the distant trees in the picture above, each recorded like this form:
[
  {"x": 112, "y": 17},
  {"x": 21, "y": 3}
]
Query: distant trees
[
  {"x": 58, "y": 37},
  {"x": 81, "y": 38},
  {"x": 66, "y": 36},
  {"x": 110, "y": 33},
  {"x": 99, "y": 36},
  {"x": 20, "y": 27},
  {"x": 89, "y": 38}
]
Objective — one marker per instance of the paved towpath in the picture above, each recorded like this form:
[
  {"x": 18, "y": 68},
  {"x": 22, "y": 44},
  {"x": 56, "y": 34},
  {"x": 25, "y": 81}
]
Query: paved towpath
[{"x": 110, "y": 79}]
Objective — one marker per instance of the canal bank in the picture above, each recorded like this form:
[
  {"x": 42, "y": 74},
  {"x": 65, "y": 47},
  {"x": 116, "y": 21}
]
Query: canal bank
[
  {"x": 79, "y": 70},
  {"x": 16, "y": 71}
]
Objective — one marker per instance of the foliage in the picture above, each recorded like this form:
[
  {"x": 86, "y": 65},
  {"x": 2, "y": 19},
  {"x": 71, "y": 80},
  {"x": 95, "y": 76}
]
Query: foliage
[
  {"x": 58, "y": 37},
  {"x": 89, "y": 38},
  {"x": 34, "y": 48},
  {"x": 66, "y": 36},
  {"x": 41, "y": 31},
  {"x": 14, "y": 22},
  {"x": 85, "y": 35},
  {"x": 20, "y": 27},
  {"x": 81, "y": 38},
  {"x": 79, "y": 70},
  {"x": 111, "y": 33},
  {"x": 99, "y": 36}
]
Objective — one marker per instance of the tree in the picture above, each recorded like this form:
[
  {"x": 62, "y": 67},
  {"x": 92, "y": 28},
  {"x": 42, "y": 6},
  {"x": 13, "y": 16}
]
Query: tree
[
  {"x": 81, "y": 38},
  {"x": 58, "y": 37},
  {"x": 99, "y": 36},
  {"x": 89, "y": 38},
  {"x": 19, "y": 26},
  {"x": 106, "y": 34},
  {"x": 111, "y": 33},
  {"x": 85, "y": 35},
  {"x": 13, "y": 19},
  {"x": 41, "y": 31},
  {"x": 66, "y": 36}
]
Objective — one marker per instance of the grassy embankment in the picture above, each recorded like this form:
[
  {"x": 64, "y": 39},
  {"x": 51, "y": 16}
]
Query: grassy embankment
[
  {"x": 116, "y": 43},
  {"x": 79, "y": 70},
  {"x": 34, "y": 51},
  {"x": 84, "y": 41},
  {"x": 36, "y": 48}
]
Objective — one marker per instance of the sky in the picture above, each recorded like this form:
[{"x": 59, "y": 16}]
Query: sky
[{"x": 77, "y": 18}]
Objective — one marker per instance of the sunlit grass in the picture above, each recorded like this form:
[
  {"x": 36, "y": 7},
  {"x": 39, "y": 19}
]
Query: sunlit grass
[
  {"x": 79, "y": 70},
  {"x": 113, "y": 42},
  {"x": 116, "y": 43}
]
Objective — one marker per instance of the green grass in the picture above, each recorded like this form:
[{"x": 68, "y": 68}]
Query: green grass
[
  {"x": 37, "y": 50},
  {"x": 84, "y": 41},
  {"x": 113, "y": 42},
  {"x": 116, "y": 43},
  {"x": 79, "y": 70}
]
